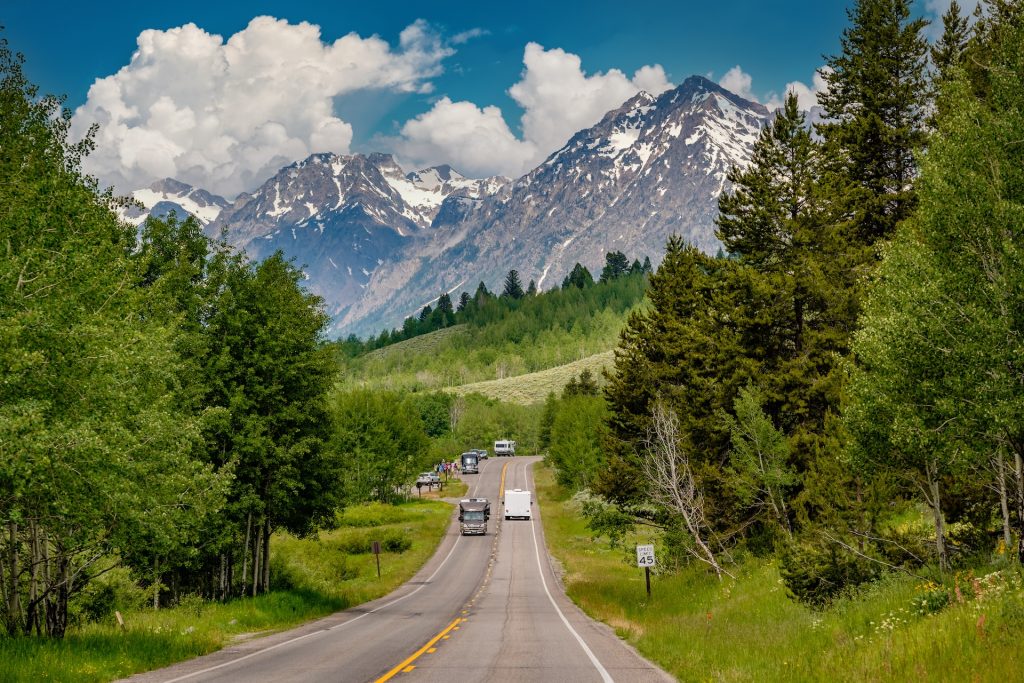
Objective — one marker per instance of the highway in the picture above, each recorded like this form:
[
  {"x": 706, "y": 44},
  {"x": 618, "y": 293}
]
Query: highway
[{"x": 483, "y": 608}]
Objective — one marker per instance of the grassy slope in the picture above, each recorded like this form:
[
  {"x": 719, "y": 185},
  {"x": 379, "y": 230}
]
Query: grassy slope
[
  {"x": 569, "y": 326},
  {"x": 534, "y": 387},
  {"x": 325, "y": 576},
  {"x": 748, "y": 630}
]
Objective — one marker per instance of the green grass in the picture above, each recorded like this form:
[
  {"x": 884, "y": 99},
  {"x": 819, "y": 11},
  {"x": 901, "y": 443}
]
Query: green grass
[
  {"x": 534, "y": 387},
  {"x": 317, "y": 577},
  {"x": 423, "y": 344},
  {"x": 747, "y": 629}
]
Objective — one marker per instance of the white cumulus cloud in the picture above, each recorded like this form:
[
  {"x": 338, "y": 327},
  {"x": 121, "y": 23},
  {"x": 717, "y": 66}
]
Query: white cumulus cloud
[
  {"x": 737, "y": 81},
  {"x": 558, "y": 99},
  {"x": 477, "y": 142},
  {"x": 225, "y": 115}
]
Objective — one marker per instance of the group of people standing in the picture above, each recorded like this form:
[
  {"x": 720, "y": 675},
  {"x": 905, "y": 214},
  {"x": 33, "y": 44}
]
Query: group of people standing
[{"x": 447, "y": 467}]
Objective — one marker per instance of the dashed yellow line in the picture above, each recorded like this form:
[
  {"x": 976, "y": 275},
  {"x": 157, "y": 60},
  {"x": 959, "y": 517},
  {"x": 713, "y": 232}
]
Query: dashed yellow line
[{"x": 406, "y": 666}]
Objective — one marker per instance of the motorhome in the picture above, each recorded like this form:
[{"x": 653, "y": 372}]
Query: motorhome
[
  {"x": 473, "y": 515},
  {"x": 470, "y": 462},
  {"x": 504, "y": 448},
  {"x": 519, "y": 504}
]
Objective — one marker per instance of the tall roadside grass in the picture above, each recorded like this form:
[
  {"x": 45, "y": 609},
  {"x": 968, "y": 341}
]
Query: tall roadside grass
[
  {"x": 311, "y": 578},
  {"x": 747, "y": 629}
]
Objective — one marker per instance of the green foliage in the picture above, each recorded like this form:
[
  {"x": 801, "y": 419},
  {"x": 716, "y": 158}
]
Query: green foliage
[
  {"x": 577, "y": 440},
  {"x": 759, "y": 469},
  {"x": 381, "y": 442},
  {"x": 817, "y": 573},
  {"x": 876, "y": 109},
  {"x": 94, "y": 440},
  {"x": 584, "y": 386},
  {"x": 513, "y": 286},
  {"x": 615, "y": 266},
  {"x": 933, "y": 393},
  {"x": 578, "y": 277}
]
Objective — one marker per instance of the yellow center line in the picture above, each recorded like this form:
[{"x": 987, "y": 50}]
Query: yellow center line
[
  {"x": 414, "y": 656},
  {"x": 501, "y": 490}
]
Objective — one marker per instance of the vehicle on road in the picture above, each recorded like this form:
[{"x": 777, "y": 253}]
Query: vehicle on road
[
  {"x": 482, "y": 452},
  {"x": 470, "y": 462},
  {"x": 518, "y": 503},
  {"x": 428, "y": 479},
  {"x": 504, "y": 448},
  {"x": 473, "y": 515}
]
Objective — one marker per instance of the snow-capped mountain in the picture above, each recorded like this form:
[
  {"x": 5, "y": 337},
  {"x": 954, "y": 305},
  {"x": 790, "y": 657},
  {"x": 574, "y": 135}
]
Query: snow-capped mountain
[
  {"x": 651, "y": 168},
  {"x": 167, "y": 195},
  {"x": 379, "y": 243},
  {"x": 341, "y": 217}
]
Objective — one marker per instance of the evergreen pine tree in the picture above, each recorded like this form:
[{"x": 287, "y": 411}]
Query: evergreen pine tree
[
  {"x": 532, "y": 289},
  {"x": 513, "y": 286},
  {"x": 425, "y": 313},
  {"x": 578, "y": 277},
  {"x": 464, "y": 300},
  {"x": 615, "y": 265},
  {"x": 648, "y": 268},
  {"x": 876, "y": 109},
  {"x": 948, "y": 50}
]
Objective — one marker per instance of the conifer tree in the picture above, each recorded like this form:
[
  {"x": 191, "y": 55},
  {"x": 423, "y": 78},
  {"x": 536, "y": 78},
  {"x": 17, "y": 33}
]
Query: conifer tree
[
  {"x": 532, "y": 289},
  {"x": 948, "y": 50},
  {"x": 876, "y": 109},
  {"x": 578, "y": 277},
  {"x": 615, "y": 265},
  {"x": 464, "y": 300},
  {"x": 513, "y": 286}
]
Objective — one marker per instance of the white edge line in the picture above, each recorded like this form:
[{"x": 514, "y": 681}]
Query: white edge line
[
  {"x": 321, "y": 631},
  {"x": 605, "y": 676}
]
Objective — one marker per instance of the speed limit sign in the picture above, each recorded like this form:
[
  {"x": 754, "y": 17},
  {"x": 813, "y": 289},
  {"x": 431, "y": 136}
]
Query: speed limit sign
[{"x": 645, "y": 556}]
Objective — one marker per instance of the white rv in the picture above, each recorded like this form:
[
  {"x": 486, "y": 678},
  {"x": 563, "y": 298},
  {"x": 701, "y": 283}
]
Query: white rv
[
  {"x": 518, "y": 503},
  {"x": 504, "y": 448}
]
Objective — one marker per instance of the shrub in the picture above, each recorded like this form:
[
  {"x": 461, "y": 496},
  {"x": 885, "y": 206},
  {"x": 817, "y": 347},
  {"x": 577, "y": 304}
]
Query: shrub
[{"x": 816, "y": 572}]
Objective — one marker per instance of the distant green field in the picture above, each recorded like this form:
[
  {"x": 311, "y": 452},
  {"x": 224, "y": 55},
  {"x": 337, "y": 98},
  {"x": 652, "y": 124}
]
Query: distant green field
[{"x": 535, "y": 386}]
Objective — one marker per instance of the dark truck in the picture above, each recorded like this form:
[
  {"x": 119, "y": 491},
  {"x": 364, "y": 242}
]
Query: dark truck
[
  {"x": 473, "y": 515},
  {"x": 470, "y": 462}
]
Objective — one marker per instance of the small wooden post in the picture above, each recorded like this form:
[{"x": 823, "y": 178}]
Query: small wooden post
[
  {"x": 647, "y": 573},
  {"x": 376, "y": 553}
]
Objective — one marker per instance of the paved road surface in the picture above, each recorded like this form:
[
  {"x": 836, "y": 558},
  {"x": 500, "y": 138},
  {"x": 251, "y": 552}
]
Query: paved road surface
[{"x": 482, "y": 609}]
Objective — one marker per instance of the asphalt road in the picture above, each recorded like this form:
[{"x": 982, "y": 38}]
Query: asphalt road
[{"x": 483, "y": 608}]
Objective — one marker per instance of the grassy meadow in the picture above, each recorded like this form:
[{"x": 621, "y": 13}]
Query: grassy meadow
[
  {"x": 747, "y": 629},
  {"x": 311, "y": 578},
  {"x": 535, "y": 386}
]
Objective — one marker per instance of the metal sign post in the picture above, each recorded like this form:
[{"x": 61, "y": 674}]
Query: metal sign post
[
  {"x": 376, "y": 553},
  {"x": 645, "y": 559}
]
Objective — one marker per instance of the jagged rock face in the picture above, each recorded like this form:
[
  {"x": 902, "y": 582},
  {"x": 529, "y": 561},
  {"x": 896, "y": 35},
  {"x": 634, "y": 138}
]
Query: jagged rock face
[
  {"x": 341, "y": 217},
  {"x": 167, "y": 195},
  {"x": 651, "y": 168}
]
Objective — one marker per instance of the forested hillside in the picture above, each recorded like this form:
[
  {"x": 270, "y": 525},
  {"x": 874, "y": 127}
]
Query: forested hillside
[{"x": 493, "y": 337}]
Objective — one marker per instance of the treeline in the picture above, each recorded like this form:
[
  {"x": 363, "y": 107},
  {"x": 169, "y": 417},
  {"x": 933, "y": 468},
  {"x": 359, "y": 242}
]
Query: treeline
[
  {"x": 164, "y": 403},
  {"x": 855, "y": 356},
  {"x": 483, "y": 307}
]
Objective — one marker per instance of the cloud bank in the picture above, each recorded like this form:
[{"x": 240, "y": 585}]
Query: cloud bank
[{"x": 225, "y": 115}]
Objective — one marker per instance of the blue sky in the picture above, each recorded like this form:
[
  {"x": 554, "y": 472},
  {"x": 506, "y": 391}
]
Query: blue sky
[{"x": 469, "y": 54}]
